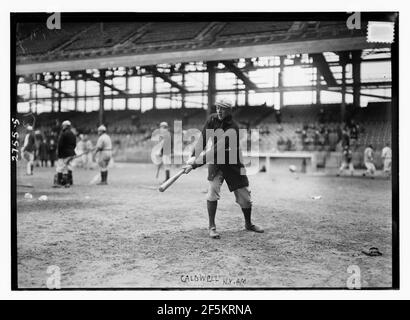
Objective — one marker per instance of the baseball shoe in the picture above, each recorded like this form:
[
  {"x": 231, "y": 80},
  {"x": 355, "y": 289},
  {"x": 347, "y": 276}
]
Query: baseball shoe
[
  {"x": 102, "y": 183},
  {"x": 254, "y": 228},
  {"x": 213, "y": 234}
]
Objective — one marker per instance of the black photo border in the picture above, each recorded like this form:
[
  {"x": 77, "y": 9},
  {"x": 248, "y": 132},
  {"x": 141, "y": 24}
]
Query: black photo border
[{"x": 212, "y": 16}]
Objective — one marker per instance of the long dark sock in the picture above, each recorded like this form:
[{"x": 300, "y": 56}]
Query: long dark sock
[
  {"x": 65, "y": 179},
  {"x": 105, "y": 176},
  {"x": 212, "y": 205},
  {"x": 167, "y": 174},
  {"x": 247, "y": 214},
  {"x": 59, "y": 178},
  {"x": 70, "y": 177}
]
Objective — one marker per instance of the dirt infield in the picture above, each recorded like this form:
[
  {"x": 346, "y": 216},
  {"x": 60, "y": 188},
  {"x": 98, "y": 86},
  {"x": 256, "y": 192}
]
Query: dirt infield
[{"x": 128, "y": 234}]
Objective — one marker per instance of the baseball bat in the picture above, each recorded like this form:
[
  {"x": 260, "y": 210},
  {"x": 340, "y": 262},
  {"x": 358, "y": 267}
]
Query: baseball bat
[
  {"x": 170, "y": 181},
  {"x": 78, "y": 155}
]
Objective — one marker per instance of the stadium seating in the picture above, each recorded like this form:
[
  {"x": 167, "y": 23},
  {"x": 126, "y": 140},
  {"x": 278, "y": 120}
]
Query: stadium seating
[
  {"x": 299, "y": 130},
  {"x": 180, "y": 31},
  {"x": 235, "y": 28},
  {"x": 43, "y": 40},
  {"x": 104, "y": 35}
]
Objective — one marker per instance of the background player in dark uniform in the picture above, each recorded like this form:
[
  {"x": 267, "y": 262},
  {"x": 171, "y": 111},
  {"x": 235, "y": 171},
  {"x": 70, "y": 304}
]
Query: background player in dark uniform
[
  {"x": 346, "y": 161},
  {"x": 232, "y": 173},
  {"x": 65, "y": 150}
]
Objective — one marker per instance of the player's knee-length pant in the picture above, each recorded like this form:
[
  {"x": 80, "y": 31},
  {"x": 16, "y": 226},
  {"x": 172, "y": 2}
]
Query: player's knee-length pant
[
  {"x": 370, "y": 167},
  {"x": 242, "y": 195},
  {"x": 62, "y": 166},
  {"x": 387, "y": 165},
  {"x": 104, "y": 160}
]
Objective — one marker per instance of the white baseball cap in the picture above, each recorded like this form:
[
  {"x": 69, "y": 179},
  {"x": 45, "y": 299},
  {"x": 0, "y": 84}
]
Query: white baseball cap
[
  {"x": 29, "y": 128},
  {"x": 224, "y": 103},
  {"x": 66, "y": 123},
  {"x": 163, "y": 124},
  {"x": 102, "y": 128}
]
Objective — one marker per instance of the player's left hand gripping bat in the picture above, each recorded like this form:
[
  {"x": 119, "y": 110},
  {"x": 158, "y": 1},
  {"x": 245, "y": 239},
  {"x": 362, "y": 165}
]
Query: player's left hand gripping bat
[
  {"x": 204, "y": 156},
  {"x": 170, "y": 181}
]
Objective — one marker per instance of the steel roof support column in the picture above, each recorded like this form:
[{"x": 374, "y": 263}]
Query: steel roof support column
[
  {"x": 101, "y": 110},
  {"x": 127, "y": 87},
  {"x": 280, "y": 81},
  {"x": 59, "y": 93},
  {"x": 75, "y": 94},
  {"x": 183, "y": 84},
  {"x": 210, "y": 65},
  {"x": 356, "y": 57},
  {"x": 343, "y": 106}
]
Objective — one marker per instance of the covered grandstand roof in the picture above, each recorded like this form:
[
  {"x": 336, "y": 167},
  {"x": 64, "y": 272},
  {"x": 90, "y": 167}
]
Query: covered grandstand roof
[{"x": 95, "y": 45}]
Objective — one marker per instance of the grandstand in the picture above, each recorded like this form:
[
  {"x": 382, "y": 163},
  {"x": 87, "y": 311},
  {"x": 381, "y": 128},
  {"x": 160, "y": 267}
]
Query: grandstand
[
  {"x": 308, "y": 84},
  {"x": 149, "y": 72}
]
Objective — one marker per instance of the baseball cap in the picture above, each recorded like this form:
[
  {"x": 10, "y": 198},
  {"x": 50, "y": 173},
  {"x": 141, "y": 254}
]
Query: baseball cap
[
  {"x": 224, "y": 103},
  {"x": 66, "y": 123},
  {"x": 102, "y": 128},
  {"x": 163, "y": 124}
]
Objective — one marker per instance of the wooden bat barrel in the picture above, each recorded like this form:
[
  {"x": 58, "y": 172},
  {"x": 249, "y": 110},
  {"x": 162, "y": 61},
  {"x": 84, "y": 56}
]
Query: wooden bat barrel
[{"x": 170, "y": 181}]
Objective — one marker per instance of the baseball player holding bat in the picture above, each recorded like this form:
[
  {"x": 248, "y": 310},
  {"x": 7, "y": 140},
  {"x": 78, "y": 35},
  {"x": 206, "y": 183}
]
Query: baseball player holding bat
[{"x": 232, "y": 173}]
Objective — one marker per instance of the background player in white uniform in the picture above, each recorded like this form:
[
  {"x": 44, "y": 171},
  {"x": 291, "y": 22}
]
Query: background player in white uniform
[
  {"x": 81, "y": 149},
  {"x": 166, "y": 151},
  {"x": 369, "y": 161},
  {"x": 28, "y": 150},
  {"x": 104, "y": 153},
  {"x": 89, "y": 148},
  {"x": 386, "y": 156}
]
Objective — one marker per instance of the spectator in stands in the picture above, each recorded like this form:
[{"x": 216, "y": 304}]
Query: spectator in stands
[
  {"x": 56, "y": 128},
  {"x": 43, "y": 153},
  {"x": 333, "y": 139},
  {"x": 288, "y": 144},
  {"x": 278, "y": 117},
  {"x": 316, "y": 138},
  {"x": 386, "y": 156},
  {"x": 321, "y": 116},
  {"x": 52, "y": 152},
  {"x": 304, "y": 135},
  {"x": 281, "y": 143}
]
